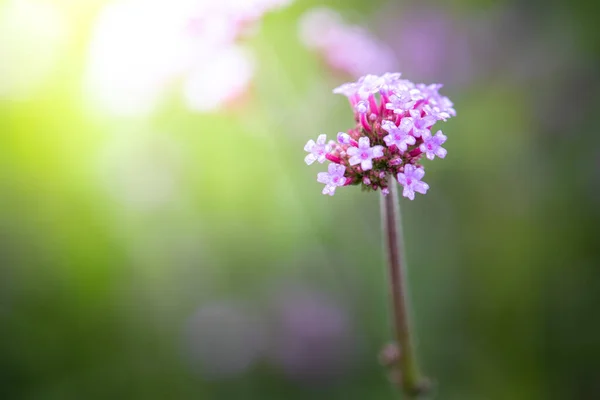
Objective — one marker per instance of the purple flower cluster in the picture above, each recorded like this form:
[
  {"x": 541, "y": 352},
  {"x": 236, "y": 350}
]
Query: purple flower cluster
[{"x": 394, "y": 118}]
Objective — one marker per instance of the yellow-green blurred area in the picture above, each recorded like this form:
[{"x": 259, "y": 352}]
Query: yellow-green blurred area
[{"x": 180, "y": 254}]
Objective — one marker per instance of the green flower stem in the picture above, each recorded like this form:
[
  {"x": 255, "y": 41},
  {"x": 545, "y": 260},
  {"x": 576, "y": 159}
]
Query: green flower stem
[{"x": 412, "y": 383}]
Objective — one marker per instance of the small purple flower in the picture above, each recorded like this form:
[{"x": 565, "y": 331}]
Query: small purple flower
[
  {"x": 436, "y": 112},
  {"x": 411, "y": 180},
  {"x": 369, "y": 84},
  {"x": 333, "y": 178},
  {"x": 445, "y": 104},
  {"x": 317, "y": 150},
  {"x": 389, "y": 80},
  {"x": 403, "y": 99},
  {"x": 432, "y": 145},
  {"x": 364, "y": 154},
  {"x": 439, "y": 104},
  {"x": 398, "y": 136},
  {"x": 431, "y": 91},
  {"x": 421, "y": 125}
]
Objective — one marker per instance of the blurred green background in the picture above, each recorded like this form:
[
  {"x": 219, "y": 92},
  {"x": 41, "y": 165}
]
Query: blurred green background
[{"x": 190, "y": 255}]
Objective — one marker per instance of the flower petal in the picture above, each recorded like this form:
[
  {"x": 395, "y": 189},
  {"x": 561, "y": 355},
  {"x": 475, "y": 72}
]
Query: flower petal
[
  {"x": 418, "y": 173},
  {"x": 420, "y": 187},
  {"x": 323, "y": 177},
  {"x": 354, "y": 160},
  {"x": 366, "y": 165},
  {"x": 389, "y": 140},
  {"x": 377, "y": 151},
  {"x": 336, "y": 169},
  {"x": 309, "y": 159},
  {"x": 409, "y": 169},
  {"x": 429, "y": 121},
  {"x": 329, "y": 189},
  {"x": 406, "y": 124},
  {"x": 309, "y": 145},
  {"x": 388, "y": 126},
  {"x": 364, "y": 143},
  {"x": 441, "y": 138},
  {"x": 401, "y": 178}
]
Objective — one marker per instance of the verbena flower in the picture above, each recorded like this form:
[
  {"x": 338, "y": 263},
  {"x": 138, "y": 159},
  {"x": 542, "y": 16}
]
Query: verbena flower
[
  {"x": 398, "y": 136},
  {"x": 364, "y": 154},
  {"x": 317, "y": 151},
  {"x": 333, "y": 178},
  {"x": 432, "y": 145},
  {"x": 411, "y": 180},
  {"x": 393, "y": 121}
]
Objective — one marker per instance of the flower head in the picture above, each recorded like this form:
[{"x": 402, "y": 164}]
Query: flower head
[{"x": 394, "y": 118}]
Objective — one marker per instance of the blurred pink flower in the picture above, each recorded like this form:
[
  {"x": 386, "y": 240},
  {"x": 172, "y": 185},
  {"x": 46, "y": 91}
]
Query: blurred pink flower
[
  {"x": 219, "y": 80},
  {"x": 347, "y": 48},
  {"x": 431, "y": 43},
  {"x": 140, "y": 47},
  {"x": 314, "y": 340}
]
